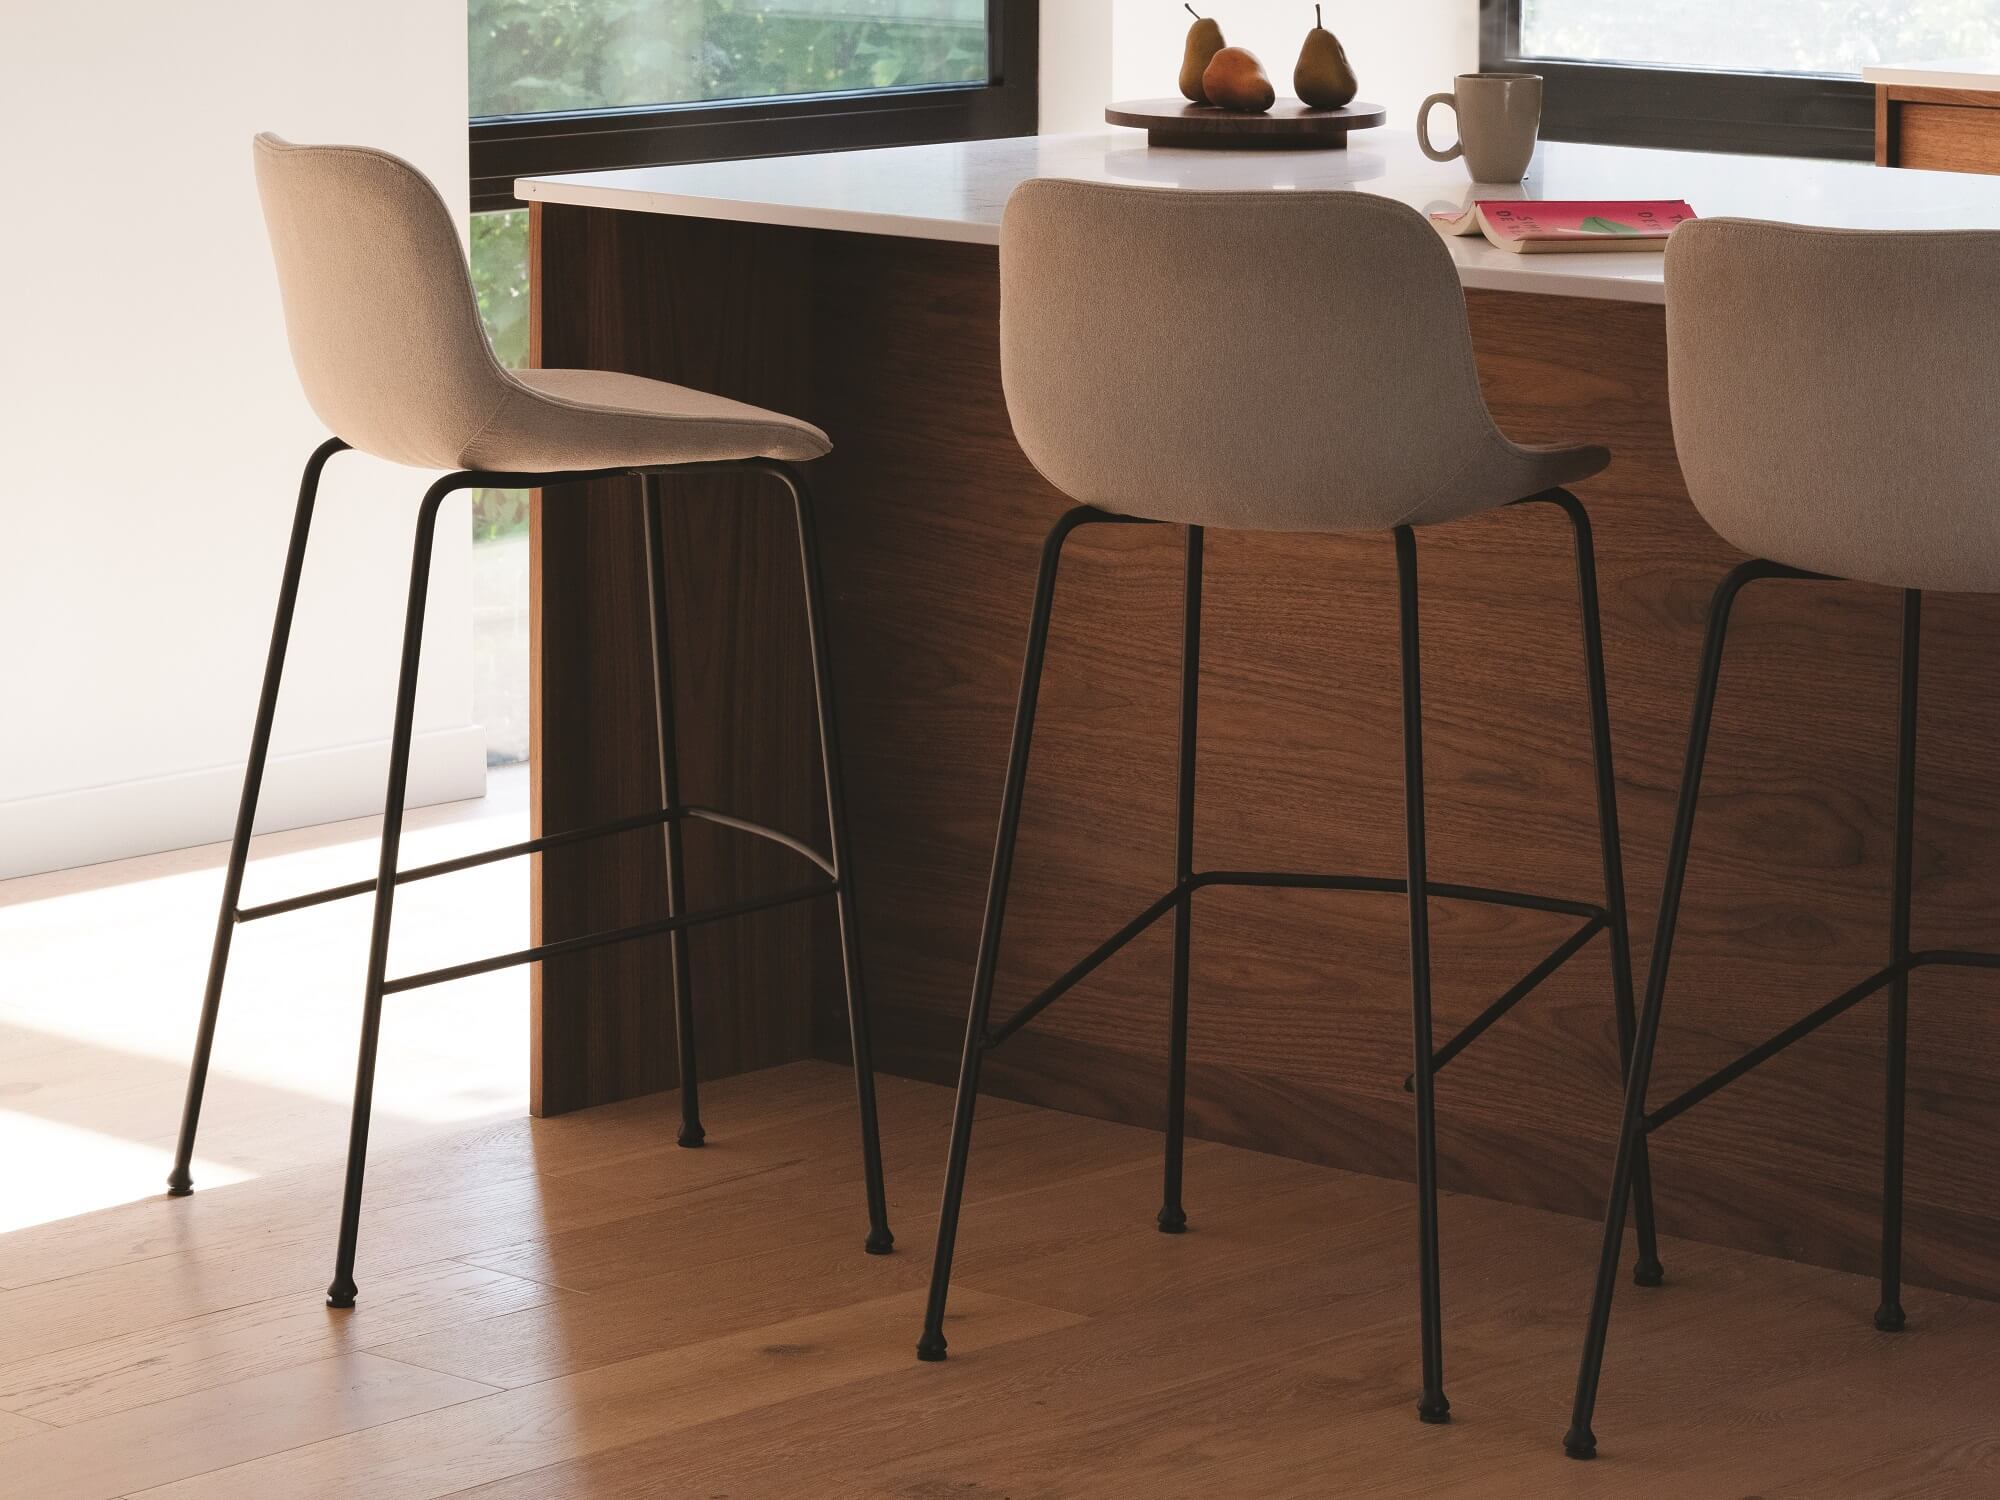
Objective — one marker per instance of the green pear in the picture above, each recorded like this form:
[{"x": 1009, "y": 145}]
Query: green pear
[
  {"x": 1323, "y": 78},
  {"x": 1204, "y": 40}
]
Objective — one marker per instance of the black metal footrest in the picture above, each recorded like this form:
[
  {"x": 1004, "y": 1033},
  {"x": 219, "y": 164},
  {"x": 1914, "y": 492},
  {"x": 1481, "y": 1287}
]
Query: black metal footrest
[
  {"x": 616, "y": 935},
  {"x": 1595, "y": 919},
  {"x": 1798, "y": 1030},
  {"x": 1529, "y": 982},
  {"x": 632, "y": 824}
]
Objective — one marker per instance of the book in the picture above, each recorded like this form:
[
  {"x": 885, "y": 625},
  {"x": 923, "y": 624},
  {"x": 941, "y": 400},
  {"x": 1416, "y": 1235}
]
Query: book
[{"x": 1529, "y": 226}]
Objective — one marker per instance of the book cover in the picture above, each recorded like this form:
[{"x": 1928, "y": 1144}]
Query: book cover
[{"x": 1529, "y": 226}]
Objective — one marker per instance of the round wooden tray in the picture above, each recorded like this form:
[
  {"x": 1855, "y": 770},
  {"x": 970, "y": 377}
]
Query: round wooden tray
[{"x": 1287, "y": 125}]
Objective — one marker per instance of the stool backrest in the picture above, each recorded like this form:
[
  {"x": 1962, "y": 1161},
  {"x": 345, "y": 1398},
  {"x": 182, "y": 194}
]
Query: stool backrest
[
  {"x": 1273, "y": 361},
  {"x": 379, "y": 307},
  {"x": 1836, "y": 397}
]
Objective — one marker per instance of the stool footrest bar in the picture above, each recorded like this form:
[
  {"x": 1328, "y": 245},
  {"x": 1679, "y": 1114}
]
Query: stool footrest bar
[
  {"x": 617, "y": 935},
  {"x": 1389, "y": 886},
  {"x": 1529, "y": 982},
  {"x": 632, "y": 824},
  {"x": 1084, "y": 967},
  {"x": 1834, "y": 1008},
  {"x": 1948, "y": 958},
  {"x": 758, "y": 830},
  {"x": 1595, "y": 919}
]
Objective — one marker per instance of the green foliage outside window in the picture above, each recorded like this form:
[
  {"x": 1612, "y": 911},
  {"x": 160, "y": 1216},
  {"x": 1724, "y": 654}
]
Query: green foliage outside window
[
  {"x": 500, "y": 278},
  {"x": 537, "y": 56}
]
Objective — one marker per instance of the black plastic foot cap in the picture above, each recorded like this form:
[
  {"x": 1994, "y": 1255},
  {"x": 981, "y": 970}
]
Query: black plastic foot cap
[
  {"x": 341, "y": 1294},
  {"x": 930, "y": 1348},
  {"x": 1649, "y": 1273},
  {"x": 179, "y": 1183},
  {"x": 691, "y": 1138},
  {"x": 880, "y": 1241},
  {"x": 1434, "y": 1411},
  {"x": 1889, "y": 1318},
  {"x": 1580, "y": 1445},
  {"x": 1172, "y": 1221}
]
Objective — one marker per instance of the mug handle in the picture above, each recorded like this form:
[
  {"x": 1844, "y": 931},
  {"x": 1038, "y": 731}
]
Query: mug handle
[{"x": 1424, "y": 129}]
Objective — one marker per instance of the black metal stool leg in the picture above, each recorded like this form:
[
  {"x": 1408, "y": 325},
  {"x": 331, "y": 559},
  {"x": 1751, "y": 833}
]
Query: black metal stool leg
[
  {"x": 1173, "y": 1216},
  {"x": 1581, "y": 1442},
  {"x": 340, "y": 1291},
  {"x": 1889, "y": 1311},
  {"x": 678, "y": 943},
  {"x": 180, "y": 1182},
  {"x": 1433, "y": 1407},
  {"x": 880, "y": 1241},
  {"x": 932, "y": 1345},
  {"x": 1647, "y": 1270}
]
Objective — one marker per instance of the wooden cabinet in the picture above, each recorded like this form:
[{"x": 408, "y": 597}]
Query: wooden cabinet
[{"x": 1943, "y": 130}]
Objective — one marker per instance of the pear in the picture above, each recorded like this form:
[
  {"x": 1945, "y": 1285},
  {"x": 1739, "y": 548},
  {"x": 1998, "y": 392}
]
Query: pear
[
  {"x": 1235, "y": 80},
  {"x": 1323, "y": 78},
  {"x": 1204, "y": 40}
]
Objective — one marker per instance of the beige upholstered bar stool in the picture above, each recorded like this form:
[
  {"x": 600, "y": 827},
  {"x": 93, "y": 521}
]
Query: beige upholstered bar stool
[
  {"x": 1356, "y": 408},
  {"x": 386, "y": 336},
  {"x": 1821, "y": 465}
]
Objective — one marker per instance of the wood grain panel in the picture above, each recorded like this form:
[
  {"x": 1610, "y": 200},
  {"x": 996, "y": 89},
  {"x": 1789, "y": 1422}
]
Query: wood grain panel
[
  {"x": 719, "y": 307},
  {"x": 1300, "y": 1029},
  {"x": 1943, "y": 130},
  {"x": 1948, "y": 138}
]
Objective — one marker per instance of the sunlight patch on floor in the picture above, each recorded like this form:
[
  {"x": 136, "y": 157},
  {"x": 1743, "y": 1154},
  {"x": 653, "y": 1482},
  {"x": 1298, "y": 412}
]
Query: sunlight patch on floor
[
  {"x": 57, "y": 1171},
  {"x": 102, "y": 989}
]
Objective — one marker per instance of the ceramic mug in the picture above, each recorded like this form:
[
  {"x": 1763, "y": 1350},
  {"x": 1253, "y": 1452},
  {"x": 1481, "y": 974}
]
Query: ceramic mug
[{"x": 1499, "y": 118}]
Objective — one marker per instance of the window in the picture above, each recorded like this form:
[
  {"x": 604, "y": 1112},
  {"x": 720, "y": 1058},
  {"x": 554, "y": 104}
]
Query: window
[
  {"x": 500, "y": 517},
  {"x": 1777, "y": 76},
  {"x": 573, "y": 85},
  {"x": 571, "y": 55},
  {"x": 577, "y": 85},
  {"x": 1769, "y": 36}
]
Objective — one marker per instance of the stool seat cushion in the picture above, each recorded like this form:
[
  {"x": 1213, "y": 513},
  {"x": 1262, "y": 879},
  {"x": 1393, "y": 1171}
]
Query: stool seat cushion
[
  {"x": 1834, "y": 393},
  {"x": 386, "y": 335},
  {"x": 597, "y": 419},
  {"x": 1512, "y": 470},
  {"x": 1263, "y": 361}
]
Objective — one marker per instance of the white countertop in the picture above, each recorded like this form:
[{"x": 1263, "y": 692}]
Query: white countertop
[
  {"x": 957, "y": 191},
  {"x": 1957, "y": 73}
]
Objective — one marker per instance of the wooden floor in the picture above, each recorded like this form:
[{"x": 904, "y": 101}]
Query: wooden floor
[{"x": 575, "y": 1308}]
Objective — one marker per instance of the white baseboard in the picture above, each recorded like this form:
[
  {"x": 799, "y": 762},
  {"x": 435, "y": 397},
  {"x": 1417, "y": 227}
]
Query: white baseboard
[{"x": 86, "y": 827}]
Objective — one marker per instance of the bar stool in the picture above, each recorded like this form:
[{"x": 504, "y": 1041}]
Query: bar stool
[
  {"x": 386, "y": 337},
  {"x": 1791, "y": 456},
  {"x": 1357, "y": 408}
]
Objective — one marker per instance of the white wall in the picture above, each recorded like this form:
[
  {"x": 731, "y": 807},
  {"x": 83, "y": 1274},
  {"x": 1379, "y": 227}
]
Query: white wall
[
  {"x": 1098, "y": 51},
  {"x": 1076, "y": 52},
  {"x": 151, "y": 430}
]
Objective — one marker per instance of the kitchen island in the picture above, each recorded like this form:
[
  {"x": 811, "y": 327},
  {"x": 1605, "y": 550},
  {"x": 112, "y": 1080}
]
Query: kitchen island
[{"x": 860, "y": 291}]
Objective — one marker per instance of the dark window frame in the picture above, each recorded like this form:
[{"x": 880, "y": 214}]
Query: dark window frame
[
  {"x": 510, "y": 146},
  {"x": 1686, "y": 109}
]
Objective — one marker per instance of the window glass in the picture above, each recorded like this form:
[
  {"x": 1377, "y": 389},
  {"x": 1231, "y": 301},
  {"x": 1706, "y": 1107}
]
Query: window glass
[
  {"x": 1777, "y": 36},
  {"x": 544, "y": 56},
  {"x": 500, "y": 517}
]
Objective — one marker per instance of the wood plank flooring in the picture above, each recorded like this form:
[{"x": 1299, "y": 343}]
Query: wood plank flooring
[{"x": 573, "y": 1307}]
